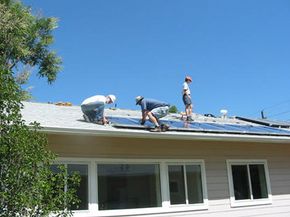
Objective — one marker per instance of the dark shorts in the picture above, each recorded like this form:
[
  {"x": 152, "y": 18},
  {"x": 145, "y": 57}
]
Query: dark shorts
[
  {"x": 186, "y": 100},
  {"x": 95, "y": 111}
]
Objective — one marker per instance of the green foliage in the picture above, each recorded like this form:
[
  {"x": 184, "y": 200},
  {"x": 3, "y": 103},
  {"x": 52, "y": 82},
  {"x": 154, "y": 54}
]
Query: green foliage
[
  {"x": 25, "y": 40},
  {"x": 28, "y": 187},
  {"x": 173, "y": 109},
  {"x": 21, "y": 79}
]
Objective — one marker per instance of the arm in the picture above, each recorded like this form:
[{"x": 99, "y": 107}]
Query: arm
[
  {"x": 185, "y": 93},
  {"x": 105, "y": 120},
  {"x": 185, "y": 90},
  {"x": 144, "y": 115}
]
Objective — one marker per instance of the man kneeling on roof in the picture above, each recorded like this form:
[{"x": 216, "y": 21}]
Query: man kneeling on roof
[
  {"x": 93, "y": 108},
  {"x": 154, "y": 109}
]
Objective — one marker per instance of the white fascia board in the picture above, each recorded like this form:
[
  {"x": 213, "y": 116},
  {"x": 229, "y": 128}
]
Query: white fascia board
[{"x": 167, "y": 135}]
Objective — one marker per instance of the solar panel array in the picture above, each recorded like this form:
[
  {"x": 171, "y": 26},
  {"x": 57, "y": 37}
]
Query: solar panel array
[
  {"x": 267, "y": 122},
  {"x": 185, "y": 126}
]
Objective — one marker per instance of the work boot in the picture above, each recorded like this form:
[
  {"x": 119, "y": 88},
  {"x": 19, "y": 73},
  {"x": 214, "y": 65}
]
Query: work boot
[
  {"x": 189, "y": 118},
  {"x": 156, "y": 129},
  {"x": 164, "y": 127},
  {"x": 99, "y": 122}
]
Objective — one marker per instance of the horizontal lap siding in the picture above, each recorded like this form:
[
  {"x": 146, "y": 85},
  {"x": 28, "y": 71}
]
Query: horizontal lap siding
[{"x": 214, "y": 155}]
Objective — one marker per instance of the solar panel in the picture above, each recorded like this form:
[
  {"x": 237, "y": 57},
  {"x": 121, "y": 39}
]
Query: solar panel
[
  {"x": 184, "y": 126},
  {"x": 266, "y": 122},
  {"x": 133, "y": 123}
]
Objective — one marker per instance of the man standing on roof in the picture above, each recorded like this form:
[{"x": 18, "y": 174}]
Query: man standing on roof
[
  {"x": 93, "y": 108},
  {"x": 154, "y": 109},
  {"x": 187, "y": 98}
]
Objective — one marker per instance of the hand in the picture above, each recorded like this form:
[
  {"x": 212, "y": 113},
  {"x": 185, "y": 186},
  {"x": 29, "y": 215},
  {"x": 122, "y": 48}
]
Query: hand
[
  {"x": 105, "y": 121},
  {"x": 142, "y": 122}
]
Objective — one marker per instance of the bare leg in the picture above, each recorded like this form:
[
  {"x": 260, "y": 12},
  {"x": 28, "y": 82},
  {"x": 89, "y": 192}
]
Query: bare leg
[
  {"x": 187, "y": 110},
  {"x": 153, "y": 119},
  {"x": 190, "y": 110}
]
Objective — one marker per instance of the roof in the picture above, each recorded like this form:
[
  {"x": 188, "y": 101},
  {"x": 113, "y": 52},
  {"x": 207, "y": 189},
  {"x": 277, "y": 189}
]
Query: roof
[{"x": 69, "y": 120}]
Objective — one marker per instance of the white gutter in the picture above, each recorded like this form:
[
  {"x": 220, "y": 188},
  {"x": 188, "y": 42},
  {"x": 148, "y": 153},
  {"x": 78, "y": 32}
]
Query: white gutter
[{"x": 167, "y": 135}]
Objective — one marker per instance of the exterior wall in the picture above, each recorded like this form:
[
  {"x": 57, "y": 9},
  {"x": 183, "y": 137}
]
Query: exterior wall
[{"x": 214, "y": 155}]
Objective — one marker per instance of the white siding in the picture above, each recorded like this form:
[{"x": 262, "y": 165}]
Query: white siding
[{"x": 214, "y": 155}]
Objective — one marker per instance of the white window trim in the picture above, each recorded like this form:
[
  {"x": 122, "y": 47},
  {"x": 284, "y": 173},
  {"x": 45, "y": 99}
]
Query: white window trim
[
  {"x": 203, "y": 180},
  {"x": 248, "y": 202},
  {"x": 165, "y": 198}
]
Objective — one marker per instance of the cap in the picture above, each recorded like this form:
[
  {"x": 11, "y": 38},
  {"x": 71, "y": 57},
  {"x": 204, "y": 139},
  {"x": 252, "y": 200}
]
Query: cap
[
  {"x": 188, "y": 78},
  {"x": 112, "y": 97},
  {"x": 138, "y": 99}
]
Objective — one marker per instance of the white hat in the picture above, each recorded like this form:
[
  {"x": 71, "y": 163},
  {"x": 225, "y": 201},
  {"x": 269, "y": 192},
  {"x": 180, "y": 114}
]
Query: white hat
[
  {"x": 112, "y": 97},
  {"x": 138, "y": 99}
]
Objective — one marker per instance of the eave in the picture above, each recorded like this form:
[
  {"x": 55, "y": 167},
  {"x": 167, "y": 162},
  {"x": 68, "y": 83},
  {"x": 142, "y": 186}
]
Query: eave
[{"x": 167, "y": 135}]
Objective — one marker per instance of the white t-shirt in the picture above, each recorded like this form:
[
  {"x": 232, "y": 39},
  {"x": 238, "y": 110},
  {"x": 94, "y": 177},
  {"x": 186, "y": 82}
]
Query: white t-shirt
[
  {"x": 97, "y": 98},
  {"x": 185, "y": 88}
]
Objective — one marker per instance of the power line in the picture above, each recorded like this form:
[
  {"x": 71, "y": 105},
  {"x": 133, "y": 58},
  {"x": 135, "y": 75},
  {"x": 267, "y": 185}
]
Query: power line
[
  {"x": 269, "y": 108},
  {"x": 281, "y": 113},
  {"x": 275, "y": 105}
]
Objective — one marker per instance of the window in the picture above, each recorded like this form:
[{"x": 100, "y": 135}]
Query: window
[
  {"x": 82, "y": 190},
  {"x": 135, "y": 186},
  {"x": 126, "y": 186},
  {"x": 185, "y": 184},
  {"x": 249, "y": 182},
  {"x": 117, "y": 187}
]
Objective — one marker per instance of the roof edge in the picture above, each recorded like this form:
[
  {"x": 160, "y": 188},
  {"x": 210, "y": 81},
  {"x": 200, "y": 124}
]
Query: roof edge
[{"x": 165, "y": 135}]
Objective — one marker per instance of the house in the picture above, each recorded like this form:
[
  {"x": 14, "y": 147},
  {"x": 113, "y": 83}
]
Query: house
[{"x": 228, "y": 167}]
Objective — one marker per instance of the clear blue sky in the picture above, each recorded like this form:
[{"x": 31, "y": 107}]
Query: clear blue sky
[{"x": 237, "y": 52}]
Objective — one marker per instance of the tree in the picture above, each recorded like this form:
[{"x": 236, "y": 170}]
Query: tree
[
  {"x": 25, "y": 40},
  {"x": 173, "y": 109},
  {"x": 28, "y": 187},
  {"x": 21, "y": 79}
]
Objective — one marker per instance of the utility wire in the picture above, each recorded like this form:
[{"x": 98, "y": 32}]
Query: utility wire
[
  {"x": 277, "y": 114},
  {"x": 275, "y": 105},
  {"x": 269, "y": 110}
]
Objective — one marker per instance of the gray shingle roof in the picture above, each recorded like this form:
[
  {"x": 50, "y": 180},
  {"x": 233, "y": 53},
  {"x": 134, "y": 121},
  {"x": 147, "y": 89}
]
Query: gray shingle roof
[
  {"x": 69, "y": 119},
  {"x": 50, "y": 115}
]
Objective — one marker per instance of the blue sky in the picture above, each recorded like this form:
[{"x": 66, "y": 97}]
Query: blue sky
[{"x": 237, "y": 52}]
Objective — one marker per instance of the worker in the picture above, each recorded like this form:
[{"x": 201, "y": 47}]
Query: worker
[
  {"x": 93, "y": 108},
  {"x": 154, "y": 109},
  {"x": 186, "y": 98}
]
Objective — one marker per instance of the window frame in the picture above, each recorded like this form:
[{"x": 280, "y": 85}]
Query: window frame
[
  {"x": 203, "y": 178},
  {"x": 251, "y": 201},
  {"x": 164, "y": 185}
]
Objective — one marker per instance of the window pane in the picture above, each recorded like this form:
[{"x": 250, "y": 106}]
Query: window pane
[
  {"x": 82, "y": 190},
  {"x": 55, "y": 168},
  {"x": 194, "y": 184},
  {"x": 124, "y": 186},
  {"x": 258, "y": 181},
  {"x": 176, "y": 184},
  {"x": 241, "y": 182},
  {"x": 58, "y": 180}
]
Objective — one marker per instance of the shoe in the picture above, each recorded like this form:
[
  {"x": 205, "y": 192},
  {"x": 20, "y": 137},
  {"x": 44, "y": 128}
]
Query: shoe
[
  {"x": 87, "y": 119},
  {"x": 189, "y": 119},
  {"x": 156, "y": 129},
  {"x": 99, "y": 122},
  {"x": 164, "y": 127}
]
